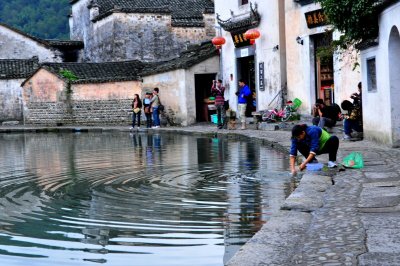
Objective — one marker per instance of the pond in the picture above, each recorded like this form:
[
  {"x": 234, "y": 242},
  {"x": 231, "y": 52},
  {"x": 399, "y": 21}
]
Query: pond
[{"x": 133, "y": 199}]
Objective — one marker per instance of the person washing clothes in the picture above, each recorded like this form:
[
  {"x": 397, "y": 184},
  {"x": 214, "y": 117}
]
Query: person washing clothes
[{"x": 311, "y": 141}]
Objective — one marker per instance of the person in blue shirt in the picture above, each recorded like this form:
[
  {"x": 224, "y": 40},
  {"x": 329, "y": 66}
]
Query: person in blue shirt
[
  {"x": 243, "y": 93},
  {"x": 311, "y": 141}
]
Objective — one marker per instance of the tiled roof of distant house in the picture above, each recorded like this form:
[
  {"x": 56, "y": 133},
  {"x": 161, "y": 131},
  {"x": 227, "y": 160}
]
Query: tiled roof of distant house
[
  {"x": 185, "y": 13},
  {"x": 97, "y": 72},
  {"x": 17, "y": 68},
  {"x": 130, "y": 70},
  {"x": 192, "y": 56}
]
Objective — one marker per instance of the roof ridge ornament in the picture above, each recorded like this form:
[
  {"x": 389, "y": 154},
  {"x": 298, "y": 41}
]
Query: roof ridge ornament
[{"x": 246, "y": 20}]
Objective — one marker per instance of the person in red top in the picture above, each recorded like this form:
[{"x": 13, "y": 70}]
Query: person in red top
[{"x": 218, "y": 90}]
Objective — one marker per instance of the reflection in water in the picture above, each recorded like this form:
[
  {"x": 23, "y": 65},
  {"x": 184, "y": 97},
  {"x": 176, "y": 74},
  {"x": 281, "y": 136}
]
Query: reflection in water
[{"x": 138, "y": 199}]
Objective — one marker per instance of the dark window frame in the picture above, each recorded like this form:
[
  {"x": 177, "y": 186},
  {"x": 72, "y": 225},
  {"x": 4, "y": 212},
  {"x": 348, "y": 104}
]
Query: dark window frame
[{"x": 371, "y": 74}]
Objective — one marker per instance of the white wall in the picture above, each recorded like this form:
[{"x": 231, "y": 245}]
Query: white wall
[
  {"x": 271, "y": 30},
  {"x": 17, "y": 46},
  {"x": 378, "y": 109},
  {"x": 177, "y": 89},
  {"x": 300, "y": 60}
]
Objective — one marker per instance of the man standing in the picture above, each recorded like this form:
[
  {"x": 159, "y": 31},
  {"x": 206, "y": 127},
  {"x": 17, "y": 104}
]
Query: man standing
[
  {"x": 243, "y": 93},
  {"x": 218, "y": 90}
]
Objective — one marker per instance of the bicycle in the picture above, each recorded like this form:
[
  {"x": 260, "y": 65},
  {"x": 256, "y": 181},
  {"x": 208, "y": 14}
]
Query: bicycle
[{"x": 275, "y": 115}]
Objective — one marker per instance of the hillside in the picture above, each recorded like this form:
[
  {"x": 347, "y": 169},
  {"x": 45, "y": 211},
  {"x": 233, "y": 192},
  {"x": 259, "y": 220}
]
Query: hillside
[{"x": 47, "y": 19}]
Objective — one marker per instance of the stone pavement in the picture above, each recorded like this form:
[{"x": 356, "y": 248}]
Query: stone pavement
[{"x": 349, "y": 217}]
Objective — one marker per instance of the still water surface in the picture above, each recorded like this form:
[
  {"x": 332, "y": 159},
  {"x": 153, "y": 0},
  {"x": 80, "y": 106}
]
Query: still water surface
[{"x": 133, "y": 199}]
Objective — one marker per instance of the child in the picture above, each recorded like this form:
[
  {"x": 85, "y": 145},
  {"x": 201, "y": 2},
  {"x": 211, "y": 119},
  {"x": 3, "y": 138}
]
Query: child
[{"x": 147, "y": 109}]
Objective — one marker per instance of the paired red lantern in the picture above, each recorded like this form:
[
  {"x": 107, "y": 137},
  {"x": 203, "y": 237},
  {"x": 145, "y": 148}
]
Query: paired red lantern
[
  {"x": 252, "y": 35},
  {"x": 218, "y": 42}
]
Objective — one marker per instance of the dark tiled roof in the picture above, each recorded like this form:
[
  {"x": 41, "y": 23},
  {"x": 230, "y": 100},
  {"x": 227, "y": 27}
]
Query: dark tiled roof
[
  {"x": 194, "y": 55},
  {"x": 130, "y": 70},
  {"x": 185, "y": 13},
  {"x": 98, "y": 72},
  {"x": 235, "y": 23},
  {"x": 17, "y": 68}
]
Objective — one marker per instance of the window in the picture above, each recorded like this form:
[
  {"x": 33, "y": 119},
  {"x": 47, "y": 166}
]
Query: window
[
  {"x": 243, "y": 2},
  {"x": 371, "y": 74}
]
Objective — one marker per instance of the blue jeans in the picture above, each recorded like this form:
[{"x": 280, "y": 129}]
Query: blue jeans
[
  {"x": 350, "y": 125},
  {"x": 156, "y": 116}
]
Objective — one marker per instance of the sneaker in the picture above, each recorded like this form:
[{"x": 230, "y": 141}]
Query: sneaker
[
  {"x": 156, "y": 127},
  {"x": 332, "y": 164},
  {"x": 131, "y": 128},
  {"x": 346, "y": 137}
]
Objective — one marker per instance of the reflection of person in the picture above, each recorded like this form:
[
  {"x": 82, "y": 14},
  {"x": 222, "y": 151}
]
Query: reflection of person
[
  {"x": 147, "y": 109},
  {"x": 311, "y": 141},
  {"x": 243, "y": 93},
  {"x": 353, "y": 119},
  {"x": 155, "y": 103},
  {"x": 324, "y": 115},
  {"x": 218, "y": 90},
  {"x": 137, "y": 111}
]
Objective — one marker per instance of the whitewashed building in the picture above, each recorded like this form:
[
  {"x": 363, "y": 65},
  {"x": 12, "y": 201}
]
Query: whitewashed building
[
  {"x": 380, "y": 61},
  {"x": 284, "y": 58}
]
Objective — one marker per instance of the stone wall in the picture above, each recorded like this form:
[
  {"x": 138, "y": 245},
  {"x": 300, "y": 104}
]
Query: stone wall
[
  {"x": 17, "y": 46},
  {"x": 101, "y": 112},
  {"x": 139, "y": 36}
]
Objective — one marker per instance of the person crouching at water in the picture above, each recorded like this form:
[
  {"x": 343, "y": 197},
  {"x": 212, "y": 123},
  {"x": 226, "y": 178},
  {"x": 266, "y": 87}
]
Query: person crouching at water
[{"x": 311, "y": 141}]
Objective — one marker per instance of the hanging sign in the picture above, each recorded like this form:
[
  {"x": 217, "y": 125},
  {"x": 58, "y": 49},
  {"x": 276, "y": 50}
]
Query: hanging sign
[
  {"x": 316, "y": 18},
  {"x": 261, "y": 86},
  {"x": 239, "y": 40}
]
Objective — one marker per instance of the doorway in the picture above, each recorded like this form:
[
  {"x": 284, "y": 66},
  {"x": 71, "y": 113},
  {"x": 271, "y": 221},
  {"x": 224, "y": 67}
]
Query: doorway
[
  {"x": 246, "y": 71},
  {"x": 324, "y": 87},
  {"x": 202, "y": 87}
]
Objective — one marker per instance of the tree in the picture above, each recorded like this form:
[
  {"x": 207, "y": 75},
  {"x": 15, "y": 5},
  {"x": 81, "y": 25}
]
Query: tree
[{"x": 356, "y": 19}]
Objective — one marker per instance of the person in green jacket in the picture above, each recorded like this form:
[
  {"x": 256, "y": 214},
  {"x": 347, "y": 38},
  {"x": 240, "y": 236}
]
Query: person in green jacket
[{"x": 311, "y": 141}]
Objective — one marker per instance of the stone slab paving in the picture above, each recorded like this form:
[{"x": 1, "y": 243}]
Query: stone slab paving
[{"x": 337, "y": 217}]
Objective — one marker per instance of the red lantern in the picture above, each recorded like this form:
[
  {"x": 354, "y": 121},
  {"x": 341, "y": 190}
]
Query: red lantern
[
  {"x": 252, "y": 35},
  {"x": 218, "y": 41}
]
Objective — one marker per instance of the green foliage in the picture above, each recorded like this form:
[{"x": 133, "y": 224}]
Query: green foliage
[
  {"x": 47, "y": 19},
  {"x": 356, "y": 19},
  {"x": 68, "y": 75}
]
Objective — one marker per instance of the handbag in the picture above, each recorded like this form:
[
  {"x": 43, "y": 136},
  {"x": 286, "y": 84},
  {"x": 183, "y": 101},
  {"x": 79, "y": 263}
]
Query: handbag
[
  {"x": 136, "y": 110},
  {"x": 161, "y": 107}
]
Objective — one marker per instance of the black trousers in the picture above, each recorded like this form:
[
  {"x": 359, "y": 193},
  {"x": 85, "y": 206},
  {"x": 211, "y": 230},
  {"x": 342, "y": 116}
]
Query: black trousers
[{"x": 331, "y": 147}]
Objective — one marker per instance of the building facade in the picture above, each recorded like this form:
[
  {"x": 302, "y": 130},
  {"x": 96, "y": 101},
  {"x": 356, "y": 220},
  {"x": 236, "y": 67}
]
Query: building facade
[
  {"x": 380, "y": 61},
  {"x": 292, "y": 58},
  {"x": 114, "y": 30},
  {"x": 314, "y": 69},
  {"x": 261, "y": 65}
]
